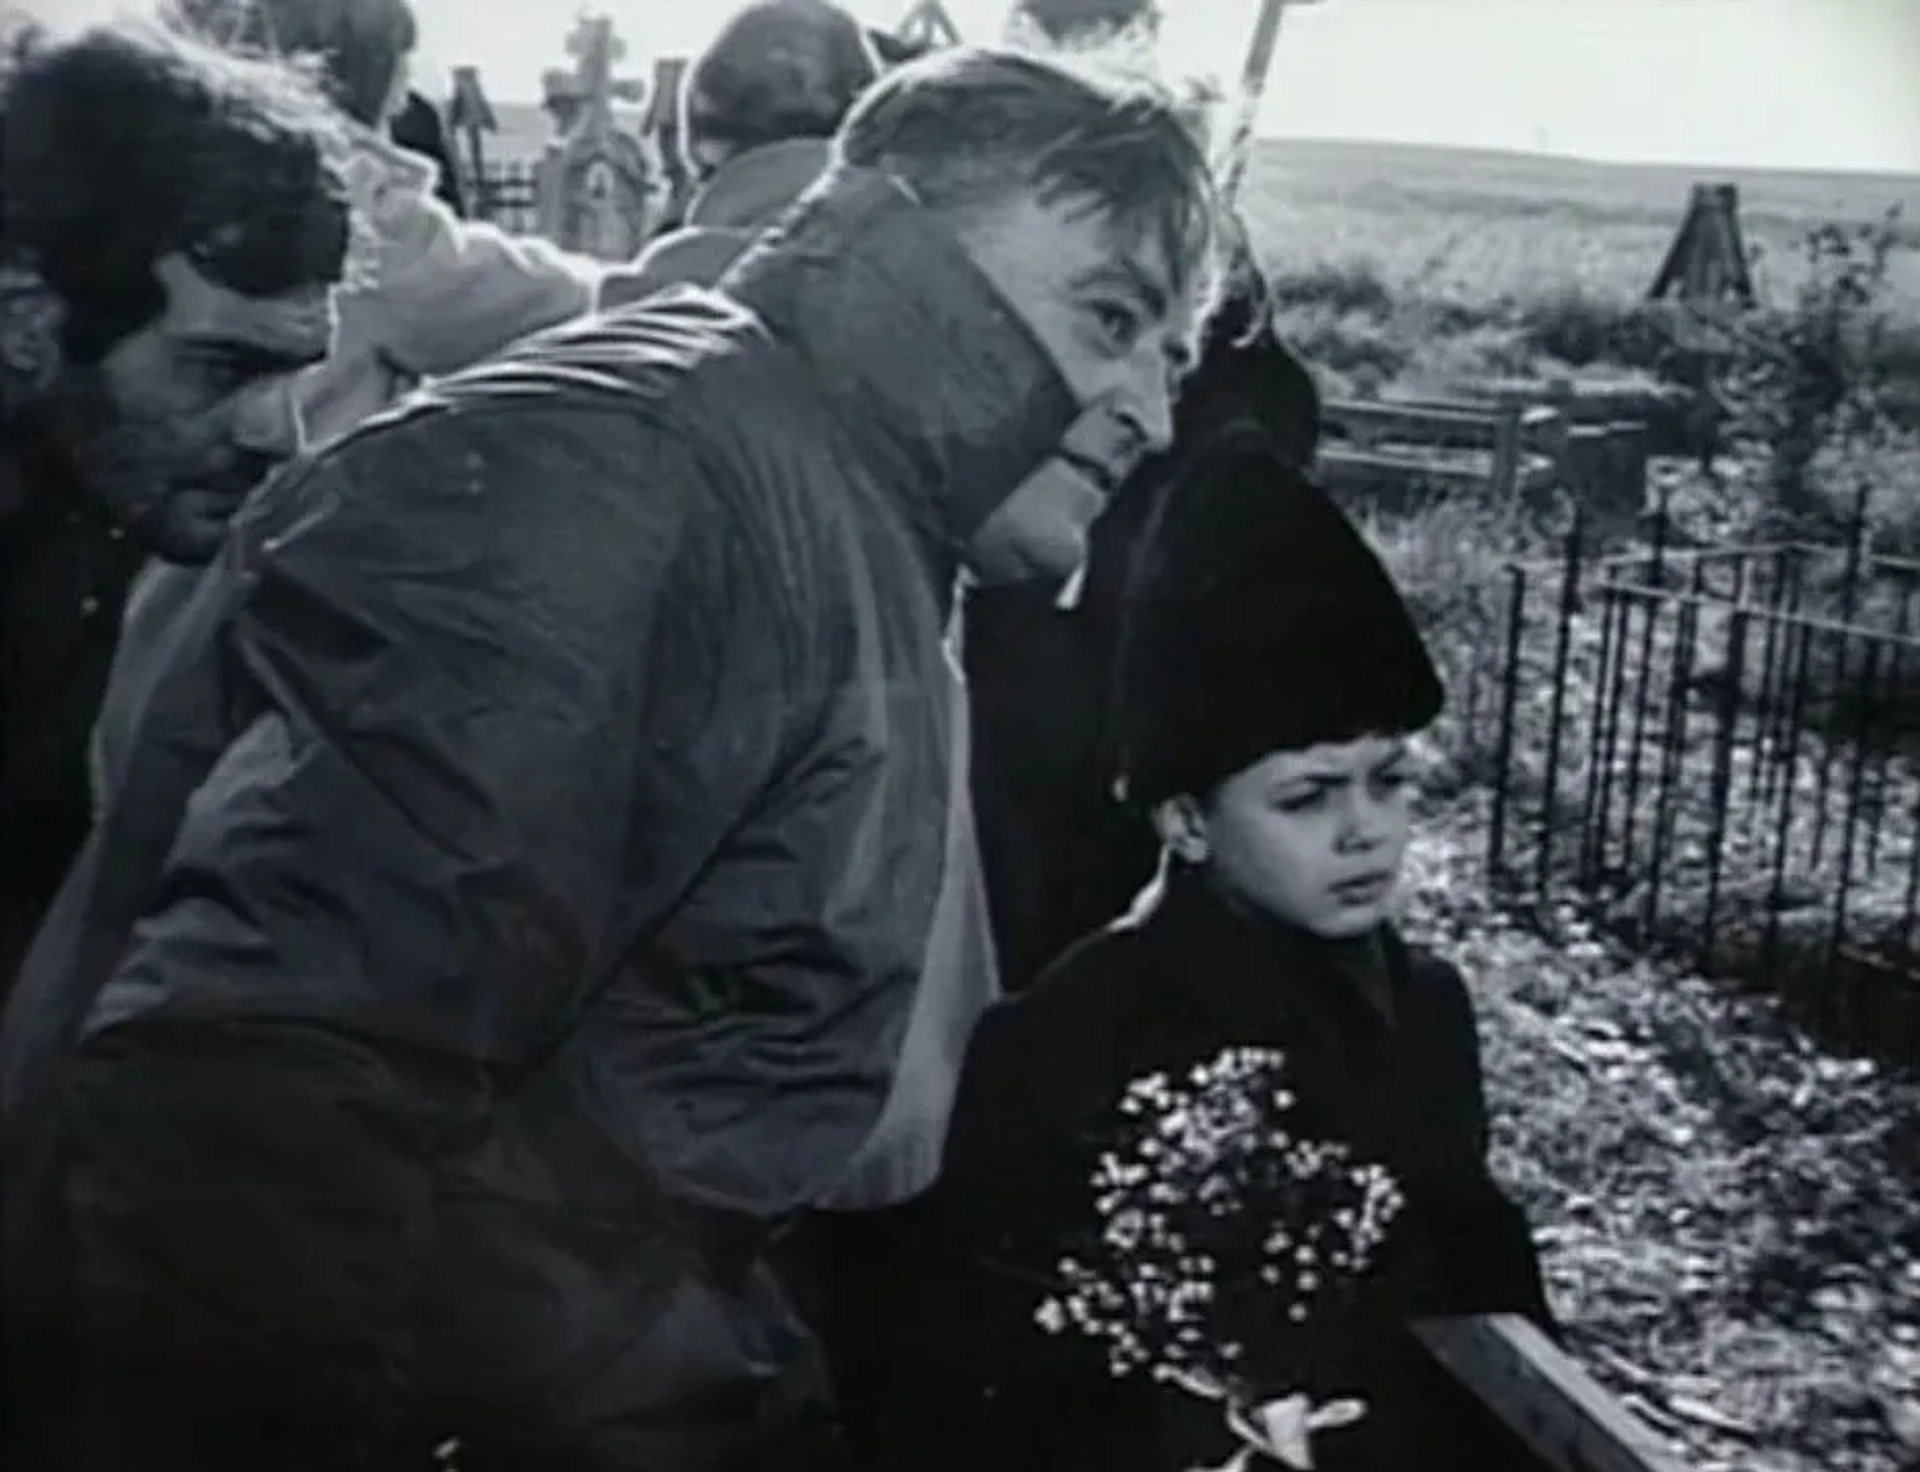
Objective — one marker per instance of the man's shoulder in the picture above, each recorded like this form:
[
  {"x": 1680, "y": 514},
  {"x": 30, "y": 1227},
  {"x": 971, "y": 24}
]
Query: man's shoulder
[
  {"x": 687, "y": 355},
  {"x": 648, "y": 424}
]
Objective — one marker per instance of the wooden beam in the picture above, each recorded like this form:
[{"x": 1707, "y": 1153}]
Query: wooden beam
[
  {"x": 1543, "y": 1395},
  {"x": 1341, "y": 469}
]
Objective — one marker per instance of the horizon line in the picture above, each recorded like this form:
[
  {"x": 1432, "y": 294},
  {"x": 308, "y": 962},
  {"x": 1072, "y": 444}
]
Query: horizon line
[{"x": 1512, "y": 150}]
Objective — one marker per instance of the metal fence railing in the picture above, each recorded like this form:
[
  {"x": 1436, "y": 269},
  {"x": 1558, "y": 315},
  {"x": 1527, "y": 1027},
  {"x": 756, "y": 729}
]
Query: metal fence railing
[{"x": 1717, "y": 753}]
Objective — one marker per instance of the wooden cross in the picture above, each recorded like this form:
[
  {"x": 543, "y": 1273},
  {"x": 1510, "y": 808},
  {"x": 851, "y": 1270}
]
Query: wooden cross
[
  {"x": 928, "y": 25},
  {"x": 594, "y": 48},
  {"x": 470, "y": 116}
]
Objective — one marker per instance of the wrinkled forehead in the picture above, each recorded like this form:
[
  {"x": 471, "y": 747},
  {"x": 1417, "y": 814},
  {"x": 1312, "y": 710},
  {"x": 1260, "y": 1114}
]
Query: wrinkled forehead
[{"x": 296, "y": 323}]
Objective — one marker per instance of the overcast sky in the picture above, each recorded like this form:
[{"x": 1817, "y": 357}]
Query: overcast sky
[{"x": 1786, "y": 83}]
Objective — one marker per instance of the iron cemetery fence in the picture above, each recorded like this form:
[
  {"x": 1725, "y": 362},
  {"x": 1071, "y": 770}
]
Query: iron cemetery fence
[{"x": 1716, "y": 753}]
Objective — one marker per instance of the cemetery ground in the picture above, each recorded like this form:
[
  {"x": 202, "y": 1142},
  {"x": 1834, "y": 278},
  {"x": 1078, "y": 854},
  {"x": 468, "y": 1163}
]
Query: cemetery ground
[{"x": 1729, "y": 1214}]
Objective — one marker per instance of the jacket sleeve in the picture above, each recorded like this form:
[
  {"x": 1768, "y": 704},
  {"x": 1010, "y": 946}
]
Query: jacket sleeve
[
  {"x": 454, "y": 689},
  {"x": 454, "y": 291}
]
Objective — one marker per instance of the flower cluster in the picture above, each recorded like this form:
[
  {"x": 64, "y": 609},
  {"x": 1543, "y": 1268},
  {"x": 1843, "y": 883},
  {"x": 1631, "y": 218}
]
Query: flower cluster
[{"x": 1220, "y": 1230}]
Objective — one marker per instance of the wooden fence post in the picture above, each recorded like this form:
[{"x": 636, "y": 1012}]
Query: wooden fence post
[{"x": 1505, "y": 476}]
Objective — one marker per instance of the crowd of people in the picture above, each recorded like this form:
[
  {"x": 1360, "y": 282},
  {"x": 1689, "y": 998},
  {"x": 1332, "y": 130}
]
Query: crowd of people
[{"x": 587, "y": 850}]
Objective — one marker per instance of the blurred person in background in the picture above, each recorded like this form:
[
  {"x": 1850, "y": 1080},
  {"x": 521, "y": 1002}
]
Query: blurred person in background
[
  {"x": 760, "y": 106},
  {"x": 431, "y": 292},
  {"x": 517, "y": 895},
  {"x": 438, "y": 292}
]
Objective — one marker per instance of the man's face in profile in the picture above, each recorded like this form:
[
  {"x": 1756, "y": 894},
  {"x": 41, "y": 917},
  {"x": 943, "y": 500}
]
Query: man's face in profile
[{"x": 1120, "y": 332}]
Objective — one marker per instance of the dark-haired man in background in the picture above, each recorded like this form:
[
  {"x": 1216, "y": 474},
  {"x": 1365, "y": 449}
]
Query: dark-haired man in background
[{"x": 172, "y": 223}]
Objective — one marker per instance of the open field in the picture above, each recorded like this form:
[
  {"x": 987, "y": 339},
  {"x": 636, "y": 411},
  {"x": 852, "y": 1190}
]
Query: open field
[
  {"x": 1470, "y": 226},
  {"x": 1463, "y": 225}
]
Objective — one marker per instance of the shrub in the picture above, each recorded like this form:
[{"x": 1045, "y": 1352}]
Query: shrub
[{"x": 1809, "y": 382}]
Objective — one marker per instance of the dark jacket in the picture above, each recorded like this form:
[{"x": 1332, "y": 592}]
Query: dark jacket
[
  {"x": 1382, "y": 1055},
  {"x": 567, "y": 756},
  {"x": 64, "y": 574},
  {"x": 1061, "y": 855}
]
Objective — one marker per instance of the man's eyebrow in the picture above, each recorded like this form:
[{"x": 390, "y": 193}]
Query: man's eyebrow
[{"x": 1130, "y": 276}]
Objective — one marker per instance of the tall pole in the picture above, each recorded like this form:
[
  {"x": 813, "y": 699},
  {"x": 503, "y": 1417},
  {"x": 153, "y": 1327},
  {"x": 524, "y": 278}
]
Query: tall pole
[{"x": 1253, "y": 87}]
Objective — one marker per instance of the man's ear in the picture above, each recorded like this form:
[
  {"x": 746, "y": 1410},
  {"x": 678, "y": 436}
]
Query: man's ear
[
  {"x": 1183, "y": 829},
  {"x": 31, "y": 318}
]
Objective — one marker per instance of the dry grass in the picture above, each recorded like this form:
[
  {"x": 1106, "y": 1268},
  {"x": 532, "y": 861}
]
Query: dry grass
[
  {"x": 1477, "y": 229},
  {"x": 1728, "y": 1219}
]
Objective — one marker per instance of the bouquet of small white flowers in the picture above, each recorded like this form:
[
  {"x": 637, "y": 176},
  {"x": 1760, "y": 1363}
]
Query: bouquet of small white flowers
[{"x": 1221, "y": 1232}]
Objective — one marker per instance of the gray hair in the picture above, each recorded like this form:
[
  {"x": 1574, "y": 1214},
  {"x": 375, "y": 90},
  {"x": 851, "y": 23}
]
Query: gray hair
[{"x": 968, "y": 127}]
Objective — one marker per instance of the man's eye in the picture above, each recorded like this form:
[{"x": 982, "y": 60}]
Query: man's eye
[{"x": 1118, "y": 323}]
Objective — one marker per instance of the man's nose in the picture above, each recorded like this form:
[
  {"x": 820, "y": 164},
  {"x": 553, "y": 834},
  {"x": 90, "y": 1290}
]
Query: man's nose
[
  {"x": 266, "y": 420},
  {"x": 1148, "y": 406}
]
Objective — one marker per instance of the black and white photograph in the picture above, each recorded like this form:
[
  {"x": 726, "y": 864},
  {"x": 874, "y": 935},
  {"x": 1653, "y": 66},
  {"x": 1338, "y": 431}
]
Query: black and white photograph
[{"x": 960, "y": 736}]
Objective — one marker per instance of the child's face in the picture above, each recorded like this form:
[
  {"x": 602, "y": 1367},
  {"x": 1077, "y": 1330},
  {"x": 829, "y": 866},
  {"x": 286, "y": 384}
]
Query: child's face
[{"x": 1314, "y": 837}]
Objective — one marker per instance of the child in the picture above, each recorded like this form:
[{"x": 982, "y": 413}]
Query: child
[{"x": 1271, "y": 683}]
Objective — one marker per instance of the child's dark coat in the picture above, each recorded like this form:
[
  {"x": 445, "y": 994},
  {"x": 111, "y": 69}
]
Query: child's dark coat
[{"x": 1382, "y": 1046}]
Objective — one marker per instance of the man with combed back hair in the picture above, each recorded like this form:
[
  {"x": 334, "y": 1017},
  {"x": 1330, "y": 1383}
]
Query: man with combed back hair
[{"x": 535, "y": 835}]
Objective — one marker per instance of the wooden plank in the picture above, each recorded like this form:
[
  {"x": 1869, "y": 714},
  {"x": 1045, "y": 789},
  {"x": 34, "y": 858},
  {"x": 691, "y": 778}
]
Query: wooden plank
[
  {"x": 1337, "y": 466},
  {"x": 1543, "y": 1395},
  {"x": 1482, "y": 420},
  {"x": 1414, "y": 419}
]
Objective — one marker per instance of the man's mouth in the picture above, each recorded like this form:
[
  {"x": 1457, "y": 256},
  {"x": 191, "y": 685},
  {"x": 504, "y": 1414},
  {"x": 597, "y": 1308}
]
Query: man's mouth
[{"x": 1101, "y": 477}]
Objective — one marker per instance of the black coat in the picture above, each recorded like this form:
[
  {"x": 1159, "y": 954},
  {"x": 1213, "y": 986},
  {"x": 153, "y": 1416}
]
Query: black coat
[
  {"x": 65, "y": 569},
  {"x": 1382, "y": 1056}
]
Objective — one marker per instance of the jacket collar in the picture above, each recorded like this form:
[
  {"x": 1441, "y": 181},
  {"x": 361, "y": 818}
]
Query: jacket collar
[
  {"x": 939, "y": 377},
  {"x": 1240, "y": 966}
]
